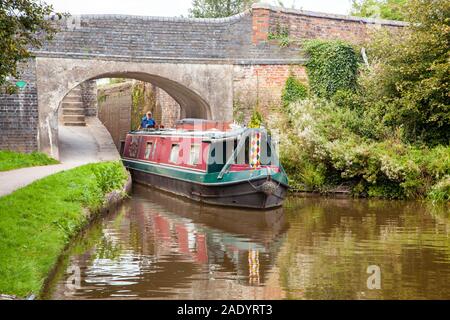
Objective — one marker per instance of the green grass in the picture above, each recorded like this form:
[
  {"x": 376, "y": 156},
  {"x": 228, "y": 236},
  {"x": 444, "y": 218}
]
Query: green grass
[
  {"x": 38, "y": 221},
  {"x": 10, "y": 160}
]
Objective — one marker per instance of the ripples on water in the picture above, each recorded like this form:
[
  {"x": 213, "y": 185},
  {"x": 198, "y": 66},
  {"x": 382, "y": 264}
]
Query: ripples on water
[{"x": 156, "y": 246}]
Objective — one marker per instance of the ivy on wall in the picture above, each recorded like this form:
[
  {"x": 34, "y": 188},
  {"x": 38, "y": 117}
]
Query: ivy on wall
[
  {"x": 143, "y": 100},
  {"x": 332, "y": 66},
  {"x": 293, "y": 91},
  {"x": 281, "y": 34}
]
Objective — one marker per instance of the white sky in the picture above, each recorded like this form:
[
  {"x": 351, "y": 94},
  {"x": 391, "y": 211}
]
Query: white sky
[{"x": 178, "y": 7}]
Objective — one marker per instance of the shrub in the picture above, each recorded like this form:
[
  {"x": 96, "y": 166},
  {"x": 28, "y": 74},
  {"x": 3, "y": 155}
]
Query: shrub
[
  {"x": 409, "y": 74},
  {"x": 323, "y": 148},
  {"x": 384, "y": 9},
  {"x": 440, "y": 191},
  {"x": 256, "y": 120},
  {"x": 346, "y": 99}
]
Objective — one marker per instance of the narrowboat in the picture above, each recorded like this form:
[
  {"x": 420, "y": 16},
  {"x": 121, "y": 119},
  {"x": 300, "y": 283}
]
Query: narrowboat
[{"x": 216, "y": 163}]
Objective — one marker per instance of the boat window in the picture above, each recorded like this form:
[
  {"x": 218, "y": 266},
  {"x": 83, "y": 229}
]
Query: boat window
[
  {"x": 148, "y": 150},
  {"x": 174, "y": 153},
  {"x": 266, "y": 151},
  {"x": 228, "y": 146},
  {"x": 194, "y": 156},
  {"x": 154, "y": 150},
  {"x": 133, "y": 149},
  {"x": 243, "y": 156}
]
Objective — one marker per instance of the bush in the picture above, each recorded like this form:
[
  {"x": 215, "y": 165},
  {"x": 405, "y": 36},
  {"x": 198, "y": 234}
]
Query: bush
[
  {"x": 386, "y": 131},
  {"x": 332, "y": 66},
  {"x": 256, "y": 120},
  {"x": 324, "y": 148},
  {"x": 440, "y": 191}
]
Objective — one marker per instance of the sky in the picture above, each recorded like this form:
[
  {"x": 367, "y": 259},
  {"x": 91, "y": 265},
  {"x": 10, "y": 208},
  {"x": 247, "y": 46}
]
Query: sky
[{"x": 170, "y": 8}]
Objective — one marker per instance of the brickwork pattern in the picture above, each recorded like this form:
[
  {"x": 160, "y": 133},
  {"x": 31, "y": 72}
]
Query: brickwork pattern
[
  {"x": 169, "y": 109},
  {"x": 114, "y": 110},
  {"x": 303, "y": 25},
  {"x": 261, "y": 85},
  {"x": 115, "y": 105},
  {"x": 19, "y": 114},
  {"x": 89, "y": 97}
]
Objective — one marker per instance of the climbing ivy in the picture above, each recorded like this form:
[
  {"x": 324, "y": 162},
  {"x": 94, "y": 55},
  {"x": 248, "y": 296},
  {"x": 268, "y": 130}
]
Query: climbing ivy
[
  {"x": 332, "y": 66},
  {"x": 293, "y": 91},
  {"x": 281, "y": 34},
  {"x": 143, "y": 100}
]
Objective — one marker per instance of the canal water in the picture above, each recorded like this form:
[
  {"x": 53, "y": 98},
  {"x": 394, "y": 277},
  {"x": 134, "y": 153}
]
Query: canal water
[{"x": 155, "y": 246}]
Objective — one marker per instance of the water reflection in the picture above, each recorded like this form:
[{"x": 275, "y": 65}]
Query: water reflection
[
  {"x": 158, "y": 246},
  {"x": 331, "y": 243}
]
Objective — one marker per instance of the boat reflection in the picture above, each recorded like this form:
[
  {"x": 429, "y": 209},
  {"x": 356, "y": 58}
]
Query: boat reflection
[{"x": 160, "y": 246}]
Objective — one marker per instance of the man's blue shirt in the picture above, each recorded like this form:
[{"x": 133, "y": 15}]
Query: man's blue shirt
[{"x": 148, "y": 123}]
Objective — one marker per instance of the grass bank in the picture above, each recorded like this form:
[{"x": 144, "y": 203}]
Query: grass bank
[
  {"x": 38, "y": 221},
  {"x": 10, "y": 160}
]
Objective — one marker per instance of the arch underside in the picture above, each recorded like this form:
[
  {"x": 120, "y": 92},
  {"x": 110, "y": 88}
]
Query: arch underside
[
  {"x": 203, "y": 91},
  {"x": 191, "y": 104}
]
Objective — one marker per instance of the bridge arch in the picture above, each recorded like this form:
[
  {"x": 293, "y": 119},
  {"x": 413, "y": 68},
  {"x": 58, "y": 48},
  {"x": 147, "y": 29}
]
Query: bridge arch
[{"x": 199, "y": 89}]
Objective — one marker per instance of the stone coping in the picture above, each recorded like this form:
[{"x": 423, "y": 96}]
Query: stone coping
[
  {"x": 231, "y": 19},
  {"x": 329, "y": 15},
  {"x": 241, "y": 15},
  {"x": 185, "y": 60}
]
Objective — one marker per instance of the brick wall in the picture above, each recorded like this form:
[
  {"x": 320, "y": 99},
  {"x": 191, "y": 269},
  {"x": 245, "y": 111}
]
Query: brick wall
[
  {"x": 19, "y": 114},
  {"x": 89, "y": 97},
  {"x": 168, "y": 109},
  {"x": 120, "y": 37},
  {"x": 312, "y": 25},
  {"x": 260, "y": 25},
  {"x": 115, "y": 105},
  {"x": 262, "y": 85},
  {"x": 114, "y": 110}
]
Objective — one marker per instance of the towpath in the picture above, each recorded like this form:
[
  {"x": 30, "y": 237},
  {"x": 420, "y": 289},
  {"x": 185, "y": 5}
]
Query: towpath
[{"x": 77, "y": 146}]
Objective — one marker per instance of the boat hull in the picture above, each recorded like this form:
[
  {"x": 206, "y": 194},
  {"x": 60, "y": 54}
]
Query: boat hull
[{"x": 259, "y": 193}]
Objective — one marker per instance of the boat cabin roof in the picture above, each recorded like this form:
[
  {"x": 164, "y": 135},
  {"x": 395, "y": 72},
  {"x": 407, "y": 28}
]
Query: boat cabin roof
[{"x": 206, "y": 129}]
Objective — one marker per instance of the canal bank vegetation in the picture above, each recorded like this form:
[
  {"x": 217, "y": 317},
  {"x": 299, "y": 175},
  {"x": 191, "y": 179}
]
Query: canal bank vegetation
[
  {"x": 10, "y": 160},
  {"x": 38, "y": 221},
  {"x": 378, "y": 123}
]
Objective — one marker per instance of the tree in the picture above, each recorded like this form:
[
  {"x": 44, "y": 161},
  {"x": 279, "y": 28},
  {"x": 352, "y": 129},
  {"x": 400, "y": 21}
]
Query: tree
[
  {"x": 218, "y": 8},
  {"x": 23, "y": 24},
  {"x": 383, "y": 9},
  {"x": 409, "y": 82}
]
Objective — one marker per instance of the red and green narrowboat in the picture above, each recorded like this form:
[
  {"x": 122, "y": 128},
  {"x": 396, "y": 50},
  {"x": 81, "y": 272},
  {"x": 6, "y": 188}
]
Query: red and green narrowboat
[{"x": 211, "y": 162}]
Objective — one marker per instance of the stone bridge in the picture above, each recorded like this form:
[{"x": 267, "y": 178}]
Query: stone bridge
[{"x": 206, "y": 65}]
